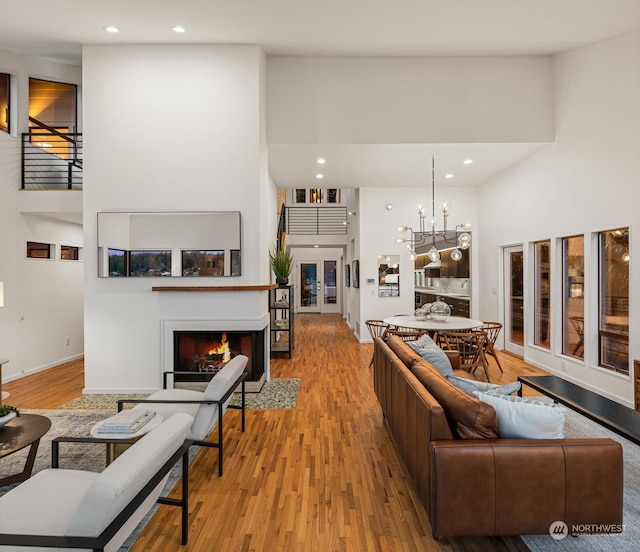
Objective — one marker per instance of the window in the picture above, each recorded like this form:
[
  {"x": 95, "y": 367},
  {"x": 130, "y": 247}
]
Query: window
[
  {"x": 37, "y": 250},
  {"x": 118, "y": 263},
  {"x": 316, "y": 195},
  {"x": 333, "y": 195},
  {"x": 542, "y": 296},
  {"x": 203, "y": 263},
  {"x": 5, "y": 81},
  {"x": 143, "y": 264},
  {"x": 613, "y": 300},
  {"x": 300, "y": 195},
  {"x": 573, "y": 296},
  {"x": 69, "y": 253}
]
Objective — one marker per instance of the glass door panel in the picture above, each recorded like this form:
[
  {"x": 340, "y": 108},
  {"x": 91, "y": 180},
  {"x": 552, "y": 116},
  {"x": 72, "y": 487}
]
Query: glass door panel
[
  {"x": 330, "y": 287},
  {"x": 514, "y": 299},
  {"x": 309, "y": 285}
]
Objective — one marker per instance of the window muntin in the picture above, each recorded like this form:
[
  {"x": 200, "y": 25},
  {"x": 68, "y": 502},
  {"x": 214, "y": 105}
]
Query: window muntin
[
  {"x": 613, "y": 300},
  {"x": 38, "y": 250},
  {"x": 203, "y": 263},
  {"x": 573, "y": 296},
  {"x": 5, "y": 96},
  {"x": 542, "y": 294}
]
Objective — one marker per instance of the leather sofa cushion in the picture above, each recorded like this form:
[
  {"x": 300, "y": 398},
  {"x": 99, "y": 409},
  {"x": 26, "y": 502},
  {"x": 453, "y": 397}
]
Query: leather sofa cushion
[
  {"x": 468, "y": 417},
  {"x": 405, "y": 353}
]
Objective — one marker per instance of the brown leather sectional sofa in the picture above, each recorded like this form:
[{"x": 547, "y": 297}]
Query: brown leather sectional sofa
[{"x": 471, "y": 482}]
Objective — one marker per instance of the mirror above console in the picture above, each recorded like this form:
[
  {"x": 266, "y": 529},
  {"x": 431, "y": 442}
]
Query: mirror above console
[{"x": 162, "y": 244}]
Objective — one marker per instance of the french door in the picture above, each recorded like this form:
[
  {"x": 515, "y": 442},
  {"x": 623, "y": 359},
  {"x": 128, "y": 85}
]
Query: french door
[
  {"x": 514, "y": 318},
  {"x": 317, "y": 289}
]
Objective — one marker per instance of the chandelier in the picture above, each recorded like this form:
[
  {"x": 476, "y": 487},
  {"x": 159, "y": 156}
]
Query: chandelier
[{"x": 422, "y": 236}]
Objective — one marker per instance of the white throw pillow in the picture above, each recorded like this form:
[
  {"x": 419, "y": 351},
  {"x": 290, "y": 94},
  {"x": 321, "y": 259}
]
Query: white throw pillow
[{"x": 526, "y": 418}]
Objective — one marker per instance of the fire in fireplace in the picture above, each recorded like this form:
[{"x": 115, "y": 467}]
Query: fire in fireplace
[{"x": 205, "y": 352}]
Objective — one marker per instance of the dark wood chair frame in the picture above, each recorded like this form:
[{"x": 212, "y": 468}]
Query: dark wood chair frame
[
  {"x": 219, "y": 444},
  {"x": 98, "y": 544}
]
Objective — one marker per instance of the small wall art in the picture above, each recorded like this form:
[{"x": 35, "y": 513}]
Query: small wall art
[{"x": 356, "y": 274}]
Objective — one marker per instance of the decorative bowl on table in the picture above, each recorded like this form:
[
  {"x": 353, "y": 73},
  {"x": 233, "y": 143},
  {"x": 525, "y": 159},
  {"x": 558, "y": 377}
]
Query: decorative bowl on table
[
  {"x": 440, "y": 311},
  {"x": 419, "y": 314},
  {"x": 7, "y": 418}
]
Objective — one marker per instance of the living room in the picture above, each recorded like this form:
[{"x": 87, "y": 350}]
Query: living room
[{"x": 570, "y": 114}]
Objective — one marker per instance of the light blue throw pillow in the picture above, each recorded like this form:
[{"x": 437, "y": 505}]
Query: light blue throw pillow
[
  {"x": 524, "y": 418},
  {"x": 438, "y": 359},
  {"x": 472, "y": 385},
  {"x": 423, "y": 342}
]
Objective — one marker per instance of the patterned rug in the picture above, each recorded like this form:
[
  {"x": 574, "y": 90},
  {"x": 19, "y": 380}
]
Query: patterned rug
[{"x": 276, "y": 393}]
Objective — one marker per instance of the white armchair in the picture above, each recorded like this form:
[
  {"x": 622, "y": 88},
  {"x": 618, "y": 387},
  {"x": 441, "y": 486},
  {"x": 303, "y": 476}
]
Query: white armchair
[{"x": 207, "y": 407}]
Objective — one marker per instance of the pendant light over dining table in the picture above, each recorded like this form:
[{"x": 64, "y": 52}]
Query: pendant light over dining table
[{"x": 422, "y": 236}]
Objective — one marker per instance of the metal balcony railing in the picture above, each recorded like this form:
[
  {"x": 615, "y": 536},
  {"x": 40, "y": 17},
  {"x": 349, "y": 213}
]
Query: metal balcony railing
[
  {"x": 51, "y": 159},
  {"x": 316, "y": 220}
]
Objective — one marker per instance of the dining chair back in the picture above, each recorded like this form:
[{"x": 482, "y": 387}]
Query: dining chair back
[
  {"x": 578, "y": 325},
  {"x": 377, "y": 328},
  {"x": 471, "y": 346},
  {"x": 492, "y": 329}
]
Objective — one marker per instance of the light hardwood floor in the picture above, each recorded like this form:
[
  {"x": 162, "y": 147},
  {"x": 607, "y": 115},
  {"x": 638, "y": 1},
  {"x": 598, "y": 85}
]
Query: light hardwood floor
[{"x": 321, "y": 477}]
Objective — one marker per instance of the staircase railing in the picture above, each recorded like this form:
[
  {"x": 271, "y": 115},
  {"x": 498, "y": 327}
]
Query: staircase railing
[{"x": 51, "y": 159}]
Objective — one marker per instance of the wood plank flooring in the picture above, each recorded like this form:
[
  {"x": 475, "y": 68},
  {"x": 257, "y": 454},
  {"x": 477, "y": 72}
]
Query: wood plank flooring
[{"x": 324, "y": 476}]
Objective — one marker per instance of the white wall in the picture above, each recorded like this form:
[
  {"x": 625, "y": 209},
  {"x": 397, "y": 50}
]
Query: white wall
[
  {"x": 378, "y": 233},
  {"x": 43, "y": 299},
  {"x": 409, "y": 100},
  {"x": 170, "y": 128},
  {"x": 585, "y": 182}
]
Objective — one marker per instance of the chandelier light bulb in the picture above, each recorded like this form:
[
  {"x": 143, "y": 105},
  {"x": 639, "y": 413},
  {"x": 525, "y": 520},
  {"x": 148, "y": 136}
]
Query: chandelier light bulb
[
  {"x": 433, "y": 254},
  {"x": 402, "y": 229},
  {"x": 445, "y": 206},
  {"x": 400, "y": 240},
  {"x": 413, "y": 256},
  {"x": 456, "y": 254},
  {"x": 464, "y": 241}
]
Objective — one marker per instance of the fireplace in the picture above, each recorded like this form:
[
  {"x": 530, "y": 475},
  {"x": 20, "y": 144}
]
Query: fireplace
[
  {"x": 247, "y": 336},
  {"x": 203, "y": 353}
]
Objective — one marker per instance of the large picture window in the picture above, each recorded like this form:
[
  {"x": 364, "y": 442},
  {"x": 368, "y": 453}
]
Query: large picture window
[
  {"x": 5, "y": 93},
  {"x": 573, "y": 296},
  {"x": 203, "y": 263},
  {"x": 542, "y": 296},
  {"x": 613, "y": 328}
]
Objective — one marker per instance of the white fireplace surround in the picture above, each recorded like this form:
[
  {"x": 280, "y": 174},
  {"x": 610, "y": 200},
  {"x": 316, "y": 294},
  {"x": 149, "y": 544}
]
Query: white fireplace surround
[{"x": 214, "y": 325}]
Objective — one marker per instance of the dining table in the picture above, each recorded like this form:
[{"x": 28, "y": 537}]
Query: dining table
[{"x": 453, "y": 323}]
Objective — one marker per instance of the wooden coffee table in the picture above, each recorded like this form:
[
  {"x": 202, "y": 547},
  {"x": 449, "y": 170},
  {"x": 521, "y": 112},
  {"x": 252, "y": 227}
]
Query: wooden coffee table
[{"x": 23, "y": 431}]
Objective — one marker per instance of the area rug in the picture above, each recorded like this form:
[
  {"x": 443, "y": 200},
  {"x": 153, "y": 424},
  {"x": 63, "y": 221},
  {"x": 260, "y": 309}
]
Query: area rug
[
  {"x": 577, "y": 426},
  {"x": 275, "y": 393},
  {"x": 89, "y": 457}
]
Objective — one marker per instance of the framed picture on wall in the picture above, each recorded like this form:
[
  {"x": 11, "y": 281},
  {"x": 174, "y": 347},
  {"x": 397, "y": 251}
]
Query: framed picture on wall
[
  {"x": 347, "y": 275},
  {"x": 356, "y": 274}
]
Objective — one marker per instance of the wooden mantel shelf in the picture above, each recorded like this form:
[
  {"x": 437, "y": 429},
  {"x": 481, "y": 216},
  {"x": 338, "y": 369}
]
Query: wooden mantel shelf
[{"x": 261, "y": 287}]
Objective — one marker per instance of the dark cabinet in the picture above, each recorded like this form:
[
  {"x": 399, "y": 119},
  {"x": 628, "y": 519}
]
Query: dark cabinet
[
  {"x": 454, "y": 269},
  {"x": 459, "y": 307},
  {"x": 281, "y": 323}
]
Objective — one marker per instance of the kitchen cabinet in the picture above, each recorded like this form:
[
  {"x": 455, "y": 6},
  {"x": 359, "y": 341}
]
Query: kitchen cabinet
[
  {"x": 459, "y": 307},
  {"x": 455, "y": 269}
]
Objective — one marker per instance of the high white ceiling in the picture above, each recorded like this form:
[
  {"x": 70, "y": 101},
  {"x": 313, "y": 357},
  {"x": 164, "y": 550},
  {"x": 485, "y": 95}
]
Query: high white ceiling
[{"x": 58, "y": 29}]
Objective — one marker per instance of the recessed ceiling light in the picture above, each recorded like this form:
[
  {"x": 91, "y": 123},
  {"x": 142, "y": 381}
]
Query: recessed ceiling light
[
  {"x": 111, "y": 29},
  {"x": 316, "y": 245},
  {"x": 468, "y": 161},
  {"x": 321, "y": 161},
  {"x": 389, "y": 206},
  {"x": 178, "y": 29},
  {"x": 319, "y": 176},
  {"x": 448, "y": 175}
]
